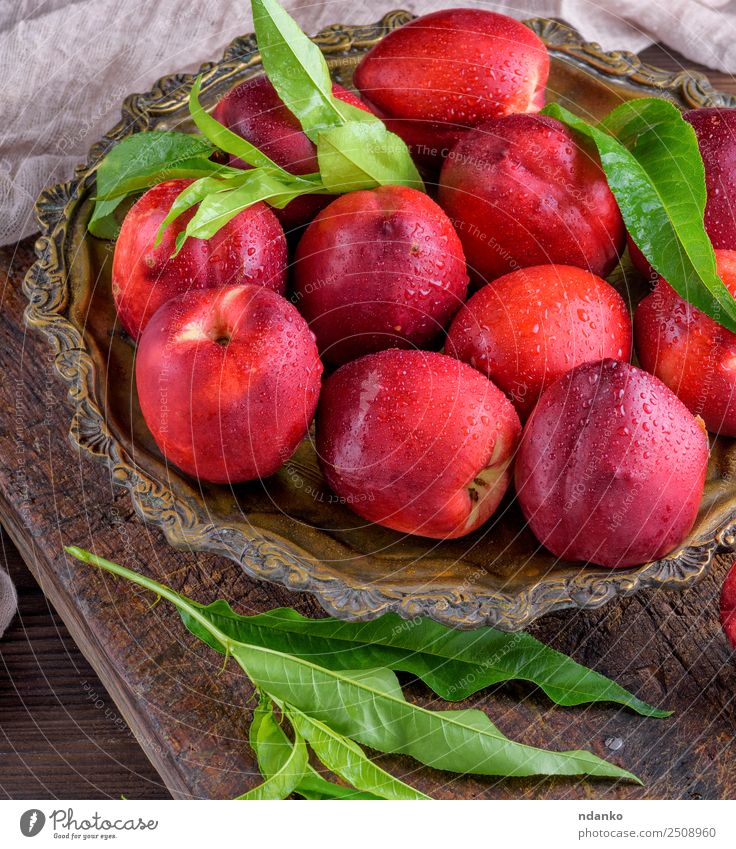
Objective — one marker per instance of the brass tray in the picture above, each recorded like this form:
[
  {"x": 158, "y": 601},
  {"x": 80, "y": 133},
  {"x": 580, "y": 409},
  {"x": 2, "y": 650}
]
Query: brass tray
[{"x": 289, "y": 528}]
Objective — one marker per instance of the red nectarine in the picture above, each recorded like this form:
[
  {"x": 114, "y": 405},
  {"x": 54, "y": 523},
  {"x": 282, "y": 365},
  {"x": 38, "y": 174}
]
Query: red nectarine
[
  {"x": 611, "y": 466},
  {"x": 416, "y": 441},
  {"x": 441, "y": 73},
  {"x": 690, "y": 352},
  {"x": 524, "y": 191},
  {"x": 228, "y": 382},
  {"x": 528, "y": 328},
  {"x": 249, "y": 249},
  {"x": 716, "y": 132},
  {"x": 254, "y": 111},
  {"x": 378, "y": 269}
]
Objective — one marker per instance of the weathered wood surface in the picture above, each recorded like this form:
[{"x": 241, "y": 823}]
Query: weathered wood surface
[{"x": 191, "y": 720}]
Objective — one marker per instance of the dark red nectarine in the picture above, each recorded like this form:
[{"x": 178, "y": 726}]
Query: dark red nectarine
[
  {"x": 416, "y": 441},
  {"x": 690, "y": 352},
  {"x": 528, "y": 328},
  {"x": 249, "y": 249},
  {"x": 716, "y": 132},
  {"x": 228, "y": 381},
  {"x": 524, "y": 191},
  {"x": 611, "y": 466},
  {"x": 378, "y": 269}
]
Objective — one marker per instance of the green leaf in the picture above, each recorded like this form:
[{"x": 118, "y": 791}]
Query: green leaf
[
  {"x": 141, "y": 161},
  {"x": 196, "y": 192},
  {"x": 258, "y": 184},
  {"x": 272, "y": 747},
  {"x": 296, "y": 68},
  {"x": 346, "y": 759},
  {"x": 455, "y": 664},
  {"x": 226, "y": 139},
  {"x": 103, "y": 224},
  {"x": 650, "y": 156},
  {"x": 359, "y": 156},
  {"x": 370, "y": 708},
  {"x": 463, "y": 741},
  {"x": 282, "y": 779}
]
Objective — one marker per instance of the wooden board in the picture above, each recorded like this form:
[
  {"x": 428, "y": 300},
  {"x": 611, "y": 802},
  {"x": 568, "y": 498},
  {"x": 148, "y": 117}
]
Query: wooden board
[
  {"x": 61, "y": 735},
  {"x": 191, "y": 719}
]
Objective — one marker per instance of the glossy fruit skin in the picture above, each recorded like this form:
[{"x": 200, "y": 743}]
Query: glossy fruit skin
[
  {"x": 228, "y": 381},
  {"x": 255, "y": 112},
  {"x": 690, "y": 352},
  {"x": 521, "y": 191},
  {"x": 403, "y": 436},
  {"x": 249, "y": 249},
  {"x": 526, "y": 329},
  {"x": 378, "y": 269},
  {"x": 716, "y": 132},
  {"x": 611, "y": 466},
  {"x": 728, "y": 606},
  {"x": 433, "y": 78},
  {"x": 639, "y": 261}
]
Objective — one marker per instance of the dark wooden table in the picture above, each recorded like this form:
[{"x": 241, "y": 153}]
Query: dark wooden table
[{"x": 64, "y": 736}]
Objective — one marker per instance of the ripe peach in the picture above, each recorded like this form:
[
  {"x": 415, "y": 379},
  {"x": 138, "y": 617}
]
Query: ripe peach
[
  {"x": 228, "y": 381},
  {"x": 522, "y": 191},
  {"x": 716, "y": 132},
  {"x": 690, "y": 352},
  {"x": 442, "y": 73},
  {"x": 249, "y": 249},
  {"x": 254, "y": 111},
  {"x": 416, "y": 441},
  {"x": 728, "y": 605},
  {"x": 611, "y": 466},
  {"x": 528, "y": 328},
  {"x": 379, "y": 269}
]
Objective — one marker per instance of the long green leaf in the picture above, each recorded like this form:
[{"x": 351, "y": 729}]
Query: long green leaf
[
  {"x": 370, "y": 708},
  {"x": 139, "y": 162},
  {"x": 358, "y": 156},
  {"x": 650, "y": 156},
  {"x": 455, "y": 664},
  {"x": 272, "y": 747},
  {"x": 259, "y": 184},
  {"x": 296, "y": 68},
  {"x": 224, "y": 138},
  {"x": 284, "y": 778},
  {"x": 346, "y": 759}
]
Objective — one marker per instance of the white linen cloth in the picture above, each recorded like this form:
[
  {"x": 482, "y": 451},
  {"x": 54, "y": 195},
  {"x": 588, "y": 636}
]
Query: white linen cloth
[{"x": 66, "y": 65}]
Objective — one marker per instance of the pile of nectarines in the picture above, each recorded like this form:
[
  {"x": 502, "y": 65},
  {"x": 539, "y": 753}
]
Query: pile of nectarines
[{"x": 419, "y": 422}]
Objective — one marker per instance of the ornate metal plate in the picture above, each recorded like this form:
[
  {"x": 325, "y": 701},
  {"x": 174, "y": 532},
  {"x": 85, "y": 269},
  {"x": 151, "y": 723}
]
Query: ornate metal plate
[{"x": 289, "y": 528}]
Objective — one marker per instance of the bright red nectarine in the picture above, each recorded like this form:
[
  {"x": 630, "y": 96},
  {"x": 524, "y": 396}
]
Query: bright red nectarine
[
  {"x": 416, "y": 441},
  {"x": 228, "y": 381},
  {"x": 528, "y": 328},
  {"x": 444, "y": 72},
  {"x": 249, "y": 249}
]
